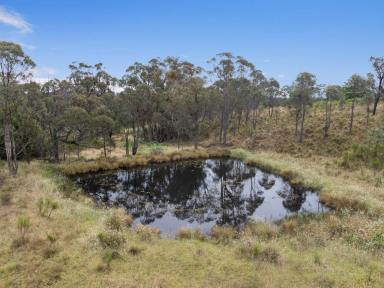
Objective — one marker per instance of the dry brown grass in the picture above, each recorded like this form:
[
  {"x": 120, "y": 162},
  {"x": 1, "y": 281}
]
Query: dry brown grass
[{"x": 140, "y": 160}]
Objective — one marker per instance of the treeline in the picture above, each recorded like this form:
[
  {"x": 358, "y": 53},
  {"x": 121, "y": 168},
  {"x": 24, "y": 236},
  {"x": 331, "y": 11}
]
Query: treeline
[{"x": 162, "y": 100}]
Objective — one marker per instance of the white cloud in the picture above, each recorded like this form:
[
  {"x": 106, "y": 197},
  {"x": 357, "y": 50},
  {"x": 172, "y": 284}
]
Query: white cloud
[
  {"x": 28, "y": 46},
  {"x": 281, "y": 76},
  {"x": 15, "y": 20},
  {"x": 43, "y": 74}
]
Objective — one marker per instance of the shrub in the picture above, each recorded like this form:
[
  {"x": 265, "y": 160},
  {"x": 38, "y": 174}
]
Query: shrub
[
  {"x": 147, "y": 233},
  {"x": 223, "y": 234},
  {"x": 114, "y": 222},
  {"x": 190, "y": 233},
  {"x": 46, "y": 206},
  {"x": 110, "y": 240}
]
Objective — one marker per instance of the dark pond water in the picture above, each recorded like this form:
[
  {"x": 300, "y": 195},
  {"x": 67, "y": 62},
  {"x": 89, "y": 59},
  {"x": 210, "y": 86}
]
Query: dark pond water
[{"x": 199, "y": 194}]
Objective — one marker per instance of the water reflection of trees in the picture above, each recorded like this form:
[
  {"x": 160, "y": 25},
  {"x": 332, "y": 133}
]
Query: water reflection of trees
[
  {"x": 201, "y": 191},
  {"x": 225, "y": 191}
]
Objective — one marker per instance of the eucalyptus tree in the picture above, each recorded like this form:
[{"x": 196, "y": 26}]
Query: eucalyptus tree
[
  {"x": 145, "y": 85},
  {"x": 226, "y": 68},
  {"x": 303, "y": 90},
  {"x": 15, "y": 66},
  {"x": 257, "y": 97},
  {"x": 378, "y": 65},
  {"x": 272, "y": 90},
  {"x": 57, "y": 98},
  {"x": 186, "y": 91},
  {"x": 332, "y": 93},
  {"x": 357, "y": 87}
]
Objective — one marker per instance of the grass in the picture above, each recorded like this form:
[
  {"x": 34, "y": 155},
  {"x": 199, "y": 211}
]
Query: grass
[
  {"x": 344, "y": 248},
  {"x": 140, "y": 160},
  {"x": 338, "y": 188}
]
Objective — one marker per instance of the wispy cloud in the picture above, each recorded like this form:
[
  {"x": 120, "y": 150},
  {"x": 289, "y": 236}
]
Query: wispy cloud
[
  {"x": 281, "y": 75},
  {"x": 28, "y": 46},
  {"x": 15, "y": 20}
]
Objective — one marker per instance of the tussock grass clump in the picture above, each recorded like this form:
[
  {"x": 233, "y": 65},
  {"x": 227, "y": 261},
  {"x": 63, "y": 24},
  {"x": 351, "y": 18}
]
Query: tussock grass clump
[
  {"x": 147, "y": 233},
  {"x": 249, "y": 250},
  {"x": 254, "y": 251},
  {"x": 23, "y": 226},
  {"x": 260, "y": 230},
  {"x": 110, "y": 240},
  {"x": 223, "y": 234},
  {"x": 46, "y": 206},
  {"x": 190, "y": 233},
  {"x": 119, "y": 220}
]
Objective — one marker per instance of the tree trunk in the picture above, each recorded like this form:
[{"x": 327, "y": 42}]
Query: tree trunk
[
  {"x": 196, "y": 136},
  {"x": 377, "y": 96},
  {"x": 225, "y": 117},
  {"x": 135, "y": 144},
  {"x": 10, "y": 149},
  {"x": 104, "y": 146},
  {"x": 352, "y": 115},
  {"x": 327, "y": 124},
  {"x": 126, "y": 142},
  {"x": 56, "y": 150},
  {"x": 302, "y": 123}
]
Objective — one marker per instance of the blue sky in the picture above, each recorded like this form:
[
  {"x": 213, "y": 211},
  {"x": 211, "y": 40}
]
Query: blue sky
[{"x": 332, "y": 39}]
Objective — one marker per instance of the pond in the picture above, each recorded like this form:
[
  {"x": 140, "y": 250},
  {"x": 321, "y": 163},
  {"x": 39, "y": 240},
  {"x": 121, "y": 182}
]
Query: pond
[{"x": 199, "y": 194}]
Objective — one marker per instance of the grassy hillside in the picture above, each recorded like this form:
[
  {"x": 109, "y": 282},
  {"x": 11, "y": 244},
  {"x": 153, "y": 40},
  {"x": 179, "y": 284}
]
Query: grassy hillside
[
  {"x": 80, "y": 245},
  {"x": 278, "y": 133}
]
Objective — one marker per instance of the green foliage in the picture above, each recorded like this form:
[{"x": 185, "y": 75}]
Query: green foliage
[{"x": 46, "y": 206}]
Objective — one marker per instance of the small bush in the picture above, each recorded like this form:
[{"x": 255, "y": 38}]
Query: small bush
[
  {"x": 190, "y": 233},
  {"x": 147, "y": 233},
  {"x": 114, "y": 222},
  {"x": 118, "y": 220},
  {"x": 110, "y": 240},
  {"x": 46, "y": 206},
  {"x": 223, "y": 234}
]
